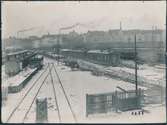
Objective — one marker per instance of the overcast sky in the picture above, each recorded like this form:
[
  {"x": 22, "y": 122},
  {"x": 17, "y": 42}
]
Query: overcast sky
[{"x": 43, "y": 17}]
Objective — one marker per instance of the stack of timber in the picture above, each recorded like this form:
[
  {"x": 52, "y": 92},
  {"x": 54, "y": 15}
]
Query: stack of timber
[{"x": 117, "y": 74}]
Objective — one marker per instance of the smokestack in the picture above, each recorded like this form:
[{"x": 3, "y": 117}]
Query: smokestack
[{"x": 120, "y": 25}]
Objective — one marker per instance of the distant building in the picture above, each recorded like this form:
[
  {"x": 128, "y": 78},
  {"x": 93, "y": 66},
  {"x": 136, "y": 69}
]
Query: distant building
[
  {"x": 150, "y": 43},
  {"x": 147, "y": 37}
]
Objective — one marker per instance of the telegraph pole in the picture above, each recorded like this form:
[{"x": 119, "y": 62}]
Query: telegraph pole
[
  {"x": 58, "y": 48},
  {"x": 136, "y": 85},
  {"x": 152, "y": 38}
]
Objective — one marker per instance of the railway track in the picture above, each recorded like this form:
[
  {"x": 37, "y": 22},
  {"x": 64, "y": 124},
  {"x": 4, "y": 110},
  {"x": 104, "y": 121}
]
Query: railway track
[
  {"x": 55, "y": 95},
  {"x": 26, "y": 103},
  {"x": 65, "y": 94},
  {"x": 29, "y": 92}
]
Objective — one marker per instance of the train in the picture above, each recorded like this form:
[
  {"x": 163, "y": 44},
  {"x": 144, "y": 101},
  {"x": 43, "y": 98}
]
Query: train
[
  {"x": 95, "y": 56},
  {"x": 36, "y": 62}
]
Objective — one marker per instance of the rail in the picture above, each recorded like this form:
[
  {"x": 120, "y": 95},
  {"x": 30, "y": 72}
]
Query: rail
[{"x": 14, "y": 110}]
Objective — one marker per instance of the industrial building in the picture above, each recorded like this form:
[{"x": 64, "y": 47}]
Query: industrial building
[{"x": 17, "y": 61}]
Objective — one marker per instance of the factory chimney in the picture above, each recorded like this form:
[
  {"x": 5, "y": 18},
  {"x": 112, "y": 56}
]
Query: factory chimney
[{"x": 120, "y": 25}]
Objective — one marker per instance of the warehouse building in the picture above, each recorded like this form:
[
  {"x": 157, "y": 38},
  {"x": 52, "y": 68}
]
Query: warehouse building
[{"x": 15, "y": 62}]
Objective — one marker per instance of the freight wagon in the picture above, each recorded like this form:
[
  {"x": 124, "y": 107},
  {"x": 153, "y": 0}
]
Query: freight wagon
[
  {"x": 36, "y": 62},
  {"x": 94, "y": 56}
]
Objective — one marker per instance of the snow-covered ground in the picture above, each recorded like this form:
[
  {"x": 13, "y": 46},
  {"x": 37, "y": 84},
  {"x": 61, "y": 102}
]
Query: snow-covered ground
[
  {"x": 4, "y": 85},
  {"x": 3, "y": 76},
  {"x": 15, "y": 98},
  {"x": 20, "y": 77},
  {"x": 155, "y": 115},
  {"x": 77, "y": 84},
  {"x": 150, "y": 74},
  {"x": 147, "y": 75},
  {"x": 17, "y": 79}
]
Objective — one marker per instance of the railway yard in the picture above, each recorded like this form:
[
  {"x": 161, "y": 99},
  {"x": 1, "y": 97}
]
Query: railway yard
[
  {"x": 66, "y": 90},
  {"x": 81, "y": 62}
]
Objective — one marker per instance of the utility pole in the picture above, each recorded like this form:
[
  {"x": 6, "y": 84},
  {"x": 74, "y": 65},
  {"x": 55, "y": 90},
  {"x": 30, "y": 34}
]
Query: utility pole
[
  {"x": 152, "y": 36},
  {"x": 136, "y": 85},
  {"x": 58, "y": 48}
]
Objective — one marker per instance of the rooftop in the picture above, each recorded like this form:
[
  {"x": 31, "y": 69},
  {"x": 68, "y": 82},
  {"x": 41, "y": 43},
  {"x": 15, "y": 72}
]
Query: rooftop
[
  {"x": 70, "y": 50},
  {"x": 99, "y": 51},
  {"x": 15, "y": 53}
]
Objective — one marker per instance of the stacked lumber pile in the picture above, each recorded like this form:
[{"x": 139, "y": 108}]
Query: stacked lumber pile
[{"x": 117, "y": 74}]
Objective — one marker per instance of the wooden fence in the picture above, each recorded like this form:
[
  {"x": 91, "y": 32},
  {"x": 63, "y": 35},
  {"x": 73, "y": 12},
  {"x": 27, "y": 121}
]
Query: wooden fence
[{"x": 106, "y": 102}]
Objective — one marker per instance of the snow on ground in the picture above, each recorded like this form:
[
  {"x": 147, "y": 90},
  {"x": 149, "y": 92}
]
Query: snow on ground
[
  {"x": 14, "y": 98},
  {"x": 146, "y": 74},
  {"x": 20, "y": 77},
  {"x": 45, "y": 92},
  {"x": 4, "y": 85},
  {"x": 77, "y": 84},
  {"x": 65, "y": 111},
  {"x": 155, "y": 115},
  {"x": 93, "y": 84},
  {"x": 128, "y": 63},
  {"x": 155, "y": 74},
  {"x": 3, "y": 76}
]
